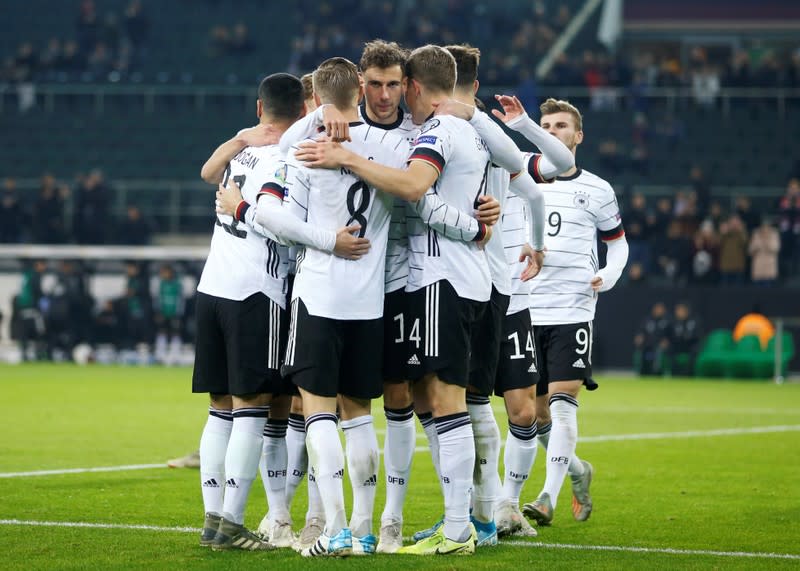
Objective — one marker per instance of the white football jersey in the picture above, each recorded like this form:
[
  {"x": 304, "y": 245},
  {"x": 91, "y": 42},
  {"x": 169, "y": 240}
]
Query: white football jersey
[
  {"x": 331, "y": 286},
  {"x": 497, "y": 186},
  {"x": 396, "y": 274},
  {"x": 514, "y": 220},
  {"x": 454, "y": 148},
  {"x": 577, "y": 209},
  {"x": 241, "y": 261}
]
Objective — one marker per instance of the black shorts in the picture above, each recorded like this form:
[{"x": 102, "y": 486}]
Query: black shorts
[
  {"x": 485, "y": 344},
  {"x": 239, "y": 345},
  {"x": 440, "y": 326},
  {"x": 517, "y": 368},
  {"x": 327, "y": 357},
  {"x": 564, "y": 353},
  {"x": 395, "y": 348}
]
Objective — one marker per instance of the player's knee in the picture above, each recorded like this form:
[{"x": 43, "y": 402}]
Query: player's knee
[
  {"x": 524, "y": 416},
  {"x": 397, "y": 395}
]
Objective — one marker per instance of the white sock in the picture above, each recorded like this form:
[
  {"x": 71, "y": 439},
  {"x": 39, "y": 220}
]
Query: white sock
[
  {"x": 273, "y": 469},
  {"x": 213, "y": 444},
  {"x": 518, "y": 459},
  {"x": 297, "y": 457},
  {"x": 362, "y": 467},
  {"x": 457, "y": 461},
  {"x": 563, "y": 438},
  {"x": 315, "y": 507},
  {"x": 576, "y": 466},
  {"x": 398, "y": 451},
  {"x": 543, "y": 434},
  {"x": 326, "y": 457},
  {"x": 486, "y": 478},
  {"x": 429, "y": 426},
  {"x": 242, "y": 458}
]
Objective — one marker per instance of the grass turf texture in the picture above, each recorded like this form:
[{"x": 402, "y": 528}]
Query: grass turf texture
[{"x": 722, "y": 493}]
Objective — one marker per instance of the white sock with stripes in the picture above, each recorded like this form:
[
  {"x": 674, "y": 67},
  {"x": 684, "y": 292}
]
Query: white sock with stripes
[
  {"x": 213, "y": 444},
  {"x": 273, "y": 469},
  {"x": 429, "y": 426},
  {"x": 563, "y": 438},
  {"x": 398, "y": 451},
  {"x": 518, "y": 458},
  {"x": 326, "y": 458},
  {"x": 457, "y": 461},
  {"x": 362, "y": 468},
  {"x": 296, "y": 455},
  {"x": 486, "y": 478},
  {"x": 242, "y": 458}
]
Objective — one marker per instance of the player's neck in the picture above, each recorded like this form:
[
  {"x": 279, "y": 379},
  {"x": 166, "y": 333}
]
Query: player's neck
[
  {"x": 467, "y": 96},
  {"x": 277, "y": 128}
]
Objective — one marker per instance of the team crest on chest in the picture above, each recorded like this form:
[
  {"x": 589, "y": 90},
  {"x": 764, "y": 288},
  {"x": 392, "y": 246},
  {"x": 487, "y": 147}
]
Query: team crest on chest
[
  {"x": 581, "y": 199},
  {"x": 432, "y": 124}
]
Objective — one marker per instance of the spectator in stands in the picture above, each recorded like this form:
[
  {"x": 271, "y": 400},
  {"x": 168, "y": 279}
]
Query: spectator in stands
[
  {"x": 70, "y": 305},
  {"x": 91, "y": 209},
  {"x": 48, "y": 223},
  {"x": 675, "y": 255},
  {"x": 765, "y": 243},
  {"x": 87, "y": 27},
  {"x": 652, "y": 341},
  {"x": 137, "y": 27},
  {"x": 789, "y": 227},
  {"x": 107, "y": 324},
  {"x": 684, "y": 341},
  {"x": 705, "y": 261},
  {"x": 744, "y": 209},
  {"x": 732, "y": 251},
  {"x": 240, "y": 42},
  {"x": 611, "y": 159},
  {"x": 702, "y": 189},
  {"x": 705, "y": 86},
  {"x": 71, "y": 60},
  {"x": 636, "y": 275},
  {"x": 134, "y": 230},
  {"x": 637, "y": 231},
  {"x": 169, "y": 314},
  {"x": 13, "y": 219}
]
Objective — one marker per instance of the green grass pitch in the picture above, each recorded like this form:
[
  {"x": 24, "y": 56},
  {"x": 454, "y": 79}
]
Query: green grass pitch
[{"x": 690, "y": 474}]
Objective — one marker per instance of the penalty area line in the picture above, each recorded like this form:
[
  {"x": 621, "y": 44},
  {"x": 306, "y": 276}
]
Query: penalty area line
[{"x": 513, "y": 543}]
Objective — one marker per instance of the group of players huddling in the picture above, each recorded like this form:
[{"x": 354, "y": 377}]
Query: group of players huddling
[{"x": 416, "y": 237}]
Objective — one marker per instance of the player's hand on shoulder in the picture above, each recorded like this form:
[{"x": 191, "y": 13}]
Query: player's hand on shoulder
[
  {"x": 336, "y": 126},
  {"x": 456, "y": 109},
  {"x": 320, "y": 154},
  {"x": 259, "y": 136},
  {"x": 535, "y": 260},
  {"x": 228, "y": 198},
  {"x": 488, "y": 211},
  {"x": 512, "y": 108},
  {"x": 350, "y": 246}
]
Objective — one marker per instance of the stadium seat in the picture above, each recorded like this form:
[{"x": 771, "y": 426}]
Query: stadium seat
[{"x": 743, "y": 362}]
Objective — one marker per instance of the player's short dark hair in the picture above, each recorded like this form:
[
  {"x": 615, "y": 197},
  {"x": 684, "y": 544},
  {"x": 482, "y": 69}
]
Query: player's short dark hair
[
  {"x": 383, "y": 55},
  {"x": 336, "y": 81},
  {"x": 308, "y": 85},
  {"x": 467, "y": 60},
  {"x": 480, "y": 104},
  {"x": 281, "y": 96},
  {"x": 433, "y": 67},
  {"x": 560, "y": 106}
]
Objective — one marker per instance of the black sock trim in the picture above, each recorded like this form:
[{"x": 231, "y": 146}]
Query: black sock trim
[
  {"x": 221, "y": 414},
  {"x": 425, "y": 419},
  {"x": 564, "y": 397},
  {"x": 450, "y": 422},
  {"x": 251, "y": 412},
  {"x": 320, "y": 417},
  {"x": 474, "y": 398},
  {"x": 523, "y": 432},
  {"x": 399, "y": 414}
]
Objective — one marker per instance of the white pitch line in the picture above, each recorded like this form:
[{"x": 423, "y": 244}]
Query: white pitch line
[
  {"x": 517, "y": 543},
  {"x": 584, "y": 439},
  {"x": 664, "y": 550},
  {"x": 82, "y": 470}
]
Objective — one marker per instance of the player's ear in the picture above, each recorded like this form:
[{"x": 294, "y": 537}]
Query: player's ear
[
  {"x": 578, "y": 137},
  {"x": 259, "y": 108},
  {"x": 475, "y": 85},
  {"x": 360, "y": 91},
  {"x": 317, "y": 100}
]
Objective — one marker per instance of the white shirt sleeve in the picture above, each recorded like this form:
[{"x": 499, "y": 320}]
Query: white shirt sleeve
[
  {"x": 502, "y": 148},
  {"x": 556, "y": 157},
  {"x": 523, "y": 186}
]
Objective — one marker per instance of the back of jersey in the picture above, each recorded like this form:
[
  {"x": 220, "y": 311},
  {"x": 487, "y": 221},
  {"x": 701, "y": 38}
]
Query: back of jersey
[
  {"x": 454, "y": 148},
  {"x": 330, "y": 286},
  {"x": 242, "y": 262}
]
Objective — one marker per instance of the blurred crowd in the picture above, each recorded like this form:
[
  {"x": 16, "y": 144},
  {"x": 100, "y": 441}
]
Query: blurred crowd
[
  {"x": 692, "y": 238},
  {"x": 54, "y": 312},
  {"x": 102, "y": 46},
  {"x": 62, "y": 213},
  {"x": 666, "y": 343}
]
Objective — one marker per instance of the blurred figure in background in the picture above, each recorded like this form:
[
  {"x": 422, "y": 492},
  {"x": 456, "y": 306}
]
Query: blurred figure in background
[
  {"x": 683, "y": 342},
  {"x": 169, "y": 316},
  {"x": 27, "y": 322},
  {"x": 134, "y": 230},
  {"x": 732, "y": 251},
  {"x": 765, "y": 244},
  {"x": 91, "y": 209},
  {"x": 652, "y": 341}
]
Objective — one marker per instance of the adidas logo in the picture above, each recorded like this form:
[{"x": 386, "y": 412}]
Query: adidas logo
[
  {"x": 532, "y": 368},
  {"x": 371, "y": 481},
  {"x": 339, "y": 475},
  {"x": 231, "y": 483},
  {"x": 212, "y": 483},
  {"x": 579, "y": 364},
  {"x": 413, "y": 360}
]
